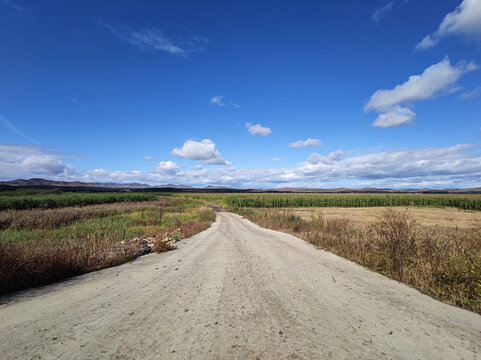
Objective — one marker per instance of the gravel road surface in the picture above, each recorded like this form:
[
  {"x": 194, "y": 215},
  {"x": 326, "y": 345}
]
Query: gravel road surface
[{"x": 235, "y": 291}]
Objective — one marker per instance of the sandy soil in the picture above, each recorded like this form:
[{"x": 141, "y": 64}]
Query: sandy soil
[
  {"x": 235, "y": 291},
  {"x": 425, "y": 216}
]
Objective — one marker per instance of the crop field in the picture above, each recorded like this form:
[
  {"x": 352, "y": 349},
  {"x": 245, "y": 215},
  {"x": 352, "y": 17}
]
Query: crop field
[
  {"x": 47, "y": 200},
  {"x": 465, "y": 202},
  {"x": 41, "y": 245}
]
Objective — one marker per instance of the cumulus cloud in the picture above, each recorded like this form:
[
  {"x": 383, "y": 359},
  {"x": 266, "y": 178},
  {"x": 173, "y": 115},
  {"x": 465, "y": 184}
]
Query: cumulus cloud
[
  {"x": 30, "y": 161},
  {"x": 380, "y": 12},
  {"x": 464, "y": 20},
  {"x": 168, "y": 167},
  {"x": 258, "y": 129},
  {"x": 434, "y": 79},
  {"x": 203, "y": 150},
  {"x": 437, "y": 163},
  {"x": 394, "y": 116},
  {"x": 305, "y": 143},
  {"x": 453, "y": 166},
  {"x": 154, "y": 39},
  {"x": 316, "y": 158},
  {"x": 149, "y": 158}
]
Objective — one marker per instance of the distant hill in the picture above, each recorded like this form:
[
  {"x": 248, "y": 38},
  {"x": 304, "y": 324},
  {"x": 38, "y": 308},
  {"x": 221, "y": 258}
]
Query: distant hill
[
  {"x": 105, "y": 186},
  {"x": 43, "y": 182}
]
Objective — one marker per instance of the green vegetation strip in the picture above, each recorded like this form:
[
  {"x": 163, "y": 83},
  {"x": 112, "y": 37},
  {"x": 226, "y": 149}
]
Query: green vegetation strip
[
  {"x": 49, "y": 201},
  {"x": 276, "y": 201}
]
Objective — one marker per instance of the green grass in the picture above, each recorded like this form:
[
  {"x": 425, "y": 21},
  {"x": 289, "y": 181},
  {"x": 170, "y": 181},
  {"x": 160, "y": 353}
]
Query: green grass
[{"x": 140, "y": 222}]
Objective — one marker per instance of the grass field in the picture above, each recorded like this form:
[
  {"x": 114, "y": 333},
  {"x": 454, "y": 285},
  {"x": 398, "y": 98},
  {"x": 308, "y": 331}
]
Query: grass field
[
  {"x": 38, "y": 246},
  {"x": 428, "y": 216}
]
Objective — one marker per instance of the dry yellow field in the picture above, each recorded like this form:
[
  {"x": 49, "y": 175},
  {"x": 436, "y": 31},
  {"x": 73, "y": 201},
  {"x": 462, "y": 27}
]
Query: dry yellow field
[{"x": 424, "y": 216}]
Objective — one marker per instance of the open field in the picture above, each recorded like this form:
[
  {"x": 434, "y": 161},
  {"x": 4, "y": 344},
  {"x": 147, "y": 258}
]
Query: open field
[
  {"x": 38, "y": 246},
  {"x": 429, "y": 216},
  {"x": 435, "y": 248}
]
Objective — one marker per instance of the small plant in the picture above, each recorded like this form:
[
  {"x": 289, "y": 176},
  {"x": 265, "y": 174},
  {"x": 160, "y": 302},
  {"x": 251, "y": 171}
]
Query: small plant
[{"x": 295, "y": 222}]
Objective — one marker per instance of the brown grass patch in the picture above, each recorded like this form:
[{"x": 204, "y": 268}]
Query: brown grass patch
[
  {"x": 25, "y": 264},
  {"x": 449, "y": 217}
]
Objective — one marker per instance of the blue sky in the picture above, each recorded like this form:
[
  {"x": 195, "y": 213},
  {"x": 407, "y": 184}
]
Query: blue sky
[{"x": 382, "y": 93}]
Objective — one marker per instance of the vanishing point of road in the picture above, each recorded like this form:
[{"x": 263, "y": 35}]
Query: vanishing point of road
[{"x": 235, "y": 291}]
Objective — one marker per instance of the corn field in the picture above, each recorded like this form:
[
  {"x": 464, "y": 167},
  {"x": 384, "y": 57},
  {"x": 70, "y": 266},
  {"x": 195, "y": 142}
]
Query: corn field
[
  {"x": 49, "y": 201},
  {"x": 469, "y": 202}
]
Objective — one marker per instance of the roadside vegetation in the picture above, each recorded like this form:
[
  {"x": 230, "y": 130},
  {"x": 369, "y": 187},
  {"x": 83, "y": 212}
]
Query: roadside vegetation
[
  {"x": 39, "y": 246},
  {"x": 444, "y": 262}
]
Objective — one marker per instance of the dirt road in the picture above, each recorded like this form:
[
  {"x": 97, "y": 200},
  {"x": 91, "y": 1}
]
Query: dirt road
[{"x": 235, "y": 291}]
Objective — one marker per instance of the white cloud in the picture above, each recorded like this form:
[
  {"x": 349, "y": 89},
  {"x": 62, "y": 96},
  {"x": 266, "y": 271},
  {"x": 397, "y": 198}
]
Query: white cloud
[
  {"x": 464, "y": 20},
  {"x": 380, "y": 12},
  {"x": 258, "y": 129},
  {"x": 154, "y": 39},
  {"x": 476, "y": 92},
  {"x": 434, "y": 79},
  {"x": 316, "y": 158},
  {"x": 395, "y": 116},
  {"x": 276, "y": 159},
  {"x": 426, "y": 42},
  {"x": 305, "y": 143},
  {"x": 168, "y": 167},
  {"x": 203, "y": 150},
  {"x": 149, "y": 158},
  {"x": 218, "y": 100},
  {"x": 29, "y": 161},
  {"x": 454, "y": 166}
]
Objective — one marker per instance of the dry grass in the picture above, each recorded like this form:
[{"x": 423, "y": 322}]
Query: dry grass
[
  {"x": 41, "y": 246},
  {"x": 444, "y": 262},
  {"x": 446, "y": 217},
  {"x": 25, "y": 265}
]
